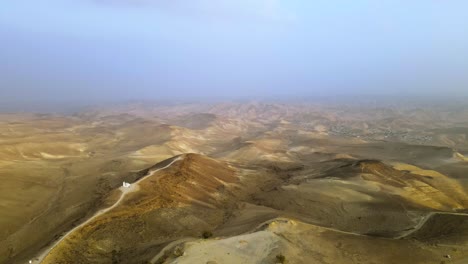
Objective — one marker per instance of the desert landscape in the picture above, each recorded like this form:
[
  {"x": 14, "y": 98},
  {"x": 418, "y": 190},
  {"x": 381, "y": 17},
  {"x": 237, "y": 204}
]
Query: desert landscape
[
  {"x": 233, "y": 132},
  {"x": 236, "y": 182}
]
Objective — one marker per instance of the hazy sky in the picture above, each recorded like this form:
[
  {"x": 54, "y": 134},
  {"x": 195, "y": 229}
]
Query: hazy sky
[{"x": 153, "y": 49}]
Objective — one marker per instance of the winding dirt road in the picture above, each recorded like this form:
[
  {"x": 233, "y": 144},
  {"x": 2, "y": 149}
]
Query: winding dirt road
[
  {"x": 424, "y": 220},
  {"x": 124, "y": 191}
]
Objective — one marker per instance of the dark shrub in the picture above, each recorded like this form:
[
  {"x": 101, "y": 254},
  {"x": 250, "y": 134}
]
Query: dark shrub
[
  {"x": 280, "y": 258},
  {"x": 207, "y": 234}
]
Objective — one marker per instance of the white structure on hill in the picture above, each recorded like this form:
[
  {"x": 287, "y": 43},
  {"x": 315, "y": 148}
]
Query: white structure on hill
[{"x": 126, "y": 184}]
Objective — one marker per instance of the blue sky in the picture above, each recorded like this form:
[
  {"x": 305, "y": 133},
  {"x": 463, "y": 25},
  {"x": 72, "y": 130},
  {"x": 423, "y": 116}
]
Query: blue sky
[{"x": 153, "y": 49}]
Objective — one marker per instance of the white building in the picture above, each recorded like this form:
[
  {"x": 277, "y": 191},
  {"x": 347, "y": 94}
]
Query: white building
[{"x": 126, "y": 184}]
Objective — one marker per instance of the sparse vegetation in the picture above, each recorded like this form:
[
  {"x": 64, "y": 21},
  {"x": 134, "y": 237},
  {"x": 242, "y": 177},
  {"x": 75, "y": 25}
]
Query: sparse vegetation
[
  {"x": 273, "y": 169},
  {"x": 115, "y": 257},
  {"x": 178, "y": 251},
  {"x": 164, "y": 257},
  {"x": 207, "y": 234},
  {"x": 280, "y": 259}
]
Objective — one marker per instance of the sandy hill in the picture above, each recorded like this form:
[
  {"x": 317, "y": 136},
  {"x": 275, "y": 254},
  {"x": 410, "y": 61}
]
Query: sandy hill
[
  {"x": 426, "y": 188},
  {"x": 291, "y": 241},
  {"x": 348, "y": 179},
  {"x": 189, "y": 196}
]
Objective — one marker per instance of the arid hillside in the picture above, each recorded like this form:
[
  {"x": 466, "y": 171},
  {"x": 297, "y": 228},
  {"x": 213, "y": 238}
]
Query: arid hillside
[{"x": 262, "y": 182}]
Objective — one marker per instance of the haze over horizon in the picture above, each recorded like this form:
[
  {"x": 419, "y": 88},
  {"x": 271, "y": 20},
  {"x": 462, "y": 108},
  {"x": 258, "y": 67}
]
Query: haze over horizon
[
  {"x": 153, "y": 131},
  {"x": 112, "y": 50}
]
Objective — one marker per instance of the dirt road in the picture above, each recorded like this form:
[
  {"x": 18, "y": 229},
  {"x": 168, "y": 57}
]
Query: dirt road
[{"x": 123, "y": 192}]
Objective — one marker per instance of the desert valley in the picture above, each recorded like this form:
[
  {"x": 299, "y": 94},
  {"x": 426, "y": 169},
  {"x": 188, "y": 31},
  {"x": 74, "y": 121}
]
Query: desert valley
[{"x": 236, "y": 182}]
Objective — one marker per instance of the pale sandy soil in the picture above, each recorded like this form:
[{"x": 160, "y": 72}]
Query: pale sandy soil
[{"x": 363, "y": 184}]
